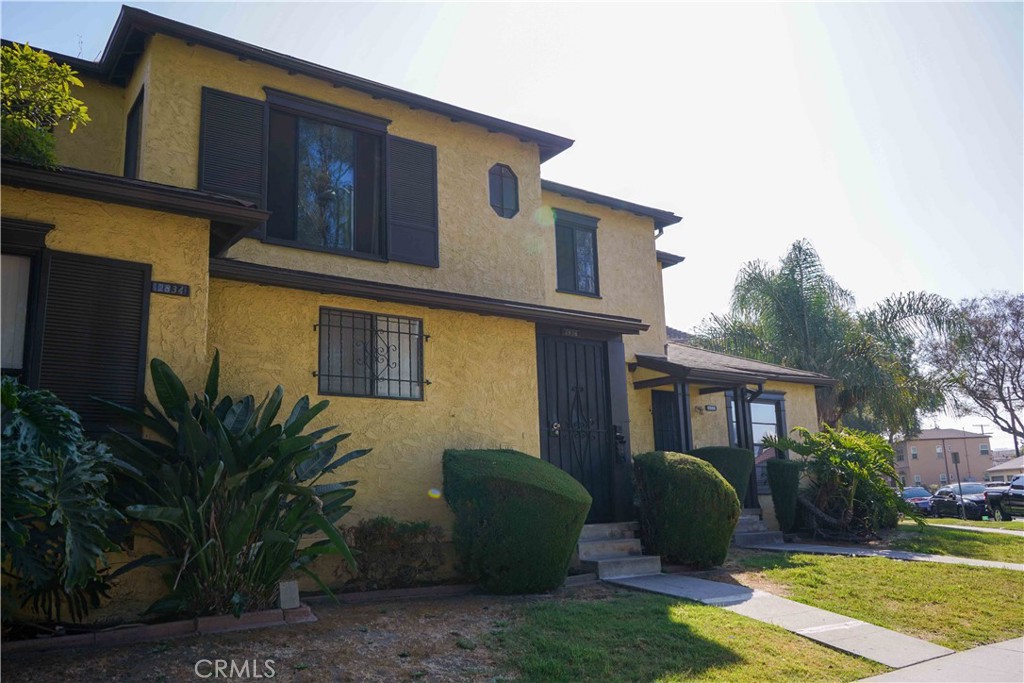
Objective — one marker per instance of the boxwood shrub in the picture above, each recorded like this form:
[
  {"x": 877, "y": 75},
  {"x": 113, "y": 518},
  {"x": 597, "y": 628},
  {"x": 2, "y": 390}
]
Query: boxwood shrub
[
  {"x": 517, "y": 518},
  {"x": 735, "y": 464},
  {"x": 688, "y": 511},
  {"x": 784, "y": 480}
]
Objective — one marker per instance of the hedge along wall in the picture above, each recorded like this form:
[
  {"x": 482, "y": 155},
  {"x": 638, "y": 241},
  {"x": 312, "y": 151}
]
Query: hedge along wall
[
  {"x": 735, "y": 464},
  {"x": 784, "y": 480},
  {"x": 517, "y": 518},
  {"x": 688, "y": 510}
]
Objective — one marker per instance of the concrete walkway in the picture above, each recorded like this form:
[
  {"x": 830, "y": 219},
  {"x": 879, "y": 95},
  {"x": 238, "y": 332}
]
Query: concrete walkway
[
  {"x": 1008, "y": 532},
  {"x": 998, "y": 663},
  {"x": 891, "y": 554},
  {"x": 835, "y": 630}
]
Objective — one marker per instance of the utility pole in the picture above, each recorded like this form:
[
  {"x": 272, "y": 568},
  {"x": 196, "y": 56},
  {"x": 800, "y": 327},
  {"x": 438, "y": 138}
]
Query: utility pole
[{"x": 945, "y": 460}]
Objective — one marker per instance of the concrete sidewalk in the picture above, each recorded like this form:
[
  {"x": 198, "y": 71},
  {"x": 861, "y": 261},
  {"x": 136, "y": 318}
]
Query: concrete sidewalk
[
  {"x": 998, "y": 663},
  {"x": 852, "y": 551},
  {"x": 835, "y": 630},
  {"x": 1008, "y": 532}
]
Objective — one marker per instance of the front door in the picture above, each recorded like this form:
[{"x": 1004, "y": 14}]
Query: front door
[{"x": 575, "y": 424}]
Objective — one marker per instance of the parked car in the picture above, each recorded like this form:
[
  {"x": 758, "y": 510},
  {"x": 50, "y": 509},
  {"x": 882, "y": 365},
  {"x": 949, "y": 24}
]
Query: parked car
[
  {"x": 919, "y": 497},
  {"x": 1007, "y": 501},
  {"x": 969, "y": 498}
]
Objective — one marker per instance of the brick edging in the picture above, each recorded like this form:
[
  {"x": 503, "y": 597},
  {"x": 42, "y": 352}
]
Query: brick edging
[{"x": 141, "y": 633}]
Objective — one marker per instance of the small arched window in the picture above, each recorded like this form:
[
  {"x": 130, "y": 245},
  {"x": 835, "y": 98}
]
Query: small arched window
[{"x": 504, "y": 191}]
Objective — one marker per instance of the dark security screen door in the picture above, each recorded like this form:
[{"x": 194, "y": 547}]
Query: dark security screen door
[
  {"x": 667, "y": 433},
  {"x": 575, "y": 432}
]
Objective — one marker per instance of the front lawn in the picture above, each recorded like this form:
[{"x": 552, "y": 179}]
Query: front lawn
[
  {"x": 952, "y": 605},
  {"x": 624, "y": 636},
  {"x": 958, "y": 542},
  {"x": 596, "y": 633}
]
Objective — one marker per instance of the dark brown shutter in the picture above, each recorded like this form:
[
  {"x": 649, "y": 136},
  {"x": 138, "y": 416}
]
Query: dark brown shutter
[
  {"x": 232, "y": 146},
  {"x": 412, "y": 202},
  {"x": 94, "y": 334}
]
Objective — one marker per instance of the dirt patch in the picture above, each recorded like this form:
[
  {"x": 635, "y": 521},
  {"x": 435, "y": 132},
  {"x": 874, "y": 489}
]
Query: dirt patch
[
  {"x": 735, "y": 572},
  {"x": 429, "y": 639}
]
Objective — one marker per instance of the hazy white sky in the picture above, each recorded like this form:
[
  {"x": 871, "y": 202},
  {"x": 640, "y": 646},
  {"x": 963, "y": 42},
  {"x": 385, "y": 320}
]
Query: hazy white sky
[{"x": 890, "y": 135}]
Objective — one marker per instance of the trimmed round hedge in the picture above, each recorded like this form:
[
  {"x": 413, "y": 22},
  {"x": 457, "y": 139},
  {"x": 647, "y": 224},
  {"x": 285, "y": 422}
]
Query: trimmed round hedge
[
  {"x": 784, "y": 481},
  {"x": 688, "y": 510},
  {"x": 735, "y": 464},
  {"x": 517, "y": 518}
]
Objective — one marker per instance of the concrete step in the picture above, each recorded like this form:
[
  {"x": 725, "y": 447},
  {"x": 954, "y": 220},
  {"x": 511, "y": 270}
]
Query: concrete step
[
  {"x": 608, "y": 547},
  {"x": 751, "y": 512},
  {"x": 618, "y": 566},
  {"x": 742, "y": 540},
  {"x": 595, "y": 532},
  {"x": 748, "y": 524}
]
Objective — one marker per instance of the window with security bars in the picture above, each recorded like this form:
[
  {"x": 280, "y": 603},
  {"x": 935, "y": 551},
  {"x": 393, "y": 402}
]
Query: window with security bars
[{"x": 365, "y": 354}]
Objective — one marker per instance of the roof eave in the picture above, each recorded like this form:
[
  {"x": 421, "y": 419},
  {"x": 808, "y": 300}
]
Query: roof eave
[
  {"x": 230, "y": 219},
  {"x": 660, "y": 217},
  {"x": 132, "y": 19}
]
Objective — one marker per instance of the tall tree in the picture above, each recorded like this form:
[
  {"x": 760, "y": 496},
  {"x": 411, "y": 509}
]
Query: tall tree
[
  {"x": 985, "y": 364},
  {"x": 796, "y": 314},
  {"x": 35, "y": 97}
]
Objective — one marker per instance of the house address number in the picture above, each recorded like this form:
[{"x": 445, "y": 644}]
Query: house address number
[{"x": 172, "y": 288}]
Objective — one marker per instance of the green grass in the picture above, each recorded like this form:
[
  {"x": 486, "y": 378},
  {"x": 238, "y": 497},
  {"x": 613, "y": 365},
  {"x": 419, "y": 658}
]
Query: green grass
[
  {"x": 952, "y": 605},
  {"x": 643, "y": 637},
  {"x": 958, "y": 543},
  {"x": 1017, "y": 524}
]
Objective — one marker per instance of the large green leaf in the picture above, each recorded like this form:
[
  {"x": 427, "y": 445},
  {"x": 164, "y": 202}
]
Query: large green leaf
[
  {"x": 153, "y": 513},
  {"x": 213, "y": 379},
  {"x": 169, "y": 389}
]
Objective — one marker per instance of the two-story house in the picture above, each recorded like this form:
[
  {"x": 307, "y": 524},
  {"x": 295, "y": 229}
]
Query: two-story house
[
  {"x": 927, "y": 459},
  {"x": 346, "y": 239}
]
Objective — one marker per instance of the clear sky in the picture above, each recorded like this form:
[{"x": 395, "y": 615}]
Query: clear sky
[{"x": 890, "y": 135}]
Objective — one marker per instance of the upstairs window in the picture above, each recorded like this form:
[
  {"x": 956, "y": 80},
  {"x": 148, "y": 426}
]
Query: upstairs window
[
  {"x": 333, "y": 179},
  {"x": 938, "y": 452},
  {"x": 576, "y": 253},
  {"x": 504, "y": 190},
  {"x": 324, "y": 185},
  {"x": 983, "y": 450},
  {"x": 366, "y": 354},
  {"x": 913, "y": 452}
]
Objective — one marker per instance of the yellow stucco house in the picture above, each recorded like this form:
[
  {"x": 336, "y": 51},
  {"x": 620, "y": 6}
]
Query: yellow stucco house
[{"x": 398, "y": 255}]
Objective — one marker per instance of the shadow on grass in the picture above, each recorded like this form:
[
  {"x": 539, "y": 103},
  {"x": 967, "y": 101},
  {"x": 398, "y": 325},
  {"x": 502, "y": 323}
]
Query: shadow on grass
[
  {"x": 632, "y": 637},
  {"x": 646, "y": 637}
]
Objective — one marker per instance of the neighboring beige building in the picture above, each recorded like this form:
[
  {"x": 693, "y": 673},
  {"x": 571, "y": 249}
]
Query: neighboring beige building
[
  {"x": 1005, "y": 471},
  {"x": 927, "y": 459}
]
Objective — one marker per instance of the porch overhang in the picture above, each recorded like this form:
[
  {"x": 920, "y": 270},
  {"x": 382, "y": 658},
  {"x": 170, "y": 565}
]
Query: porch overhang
[
  {"x": 677, "y": 372},
  {"x": 230, "y": 218}
]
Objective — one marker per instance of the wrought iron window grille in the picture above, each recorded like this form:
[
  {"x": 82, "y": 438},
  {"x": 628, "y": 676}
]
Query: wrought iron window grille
[{"x": 372, "y": 355}]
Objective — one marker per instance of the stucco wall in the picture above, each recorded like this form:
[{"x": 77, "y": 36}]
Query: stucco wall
[
  {"x": 480, "y": 253},
  {"x": 98, "y": 145},
  {"x": 711, "y": 428},
  {"x": 483, "y": 391},
  {"x": 175, "y": 246}
]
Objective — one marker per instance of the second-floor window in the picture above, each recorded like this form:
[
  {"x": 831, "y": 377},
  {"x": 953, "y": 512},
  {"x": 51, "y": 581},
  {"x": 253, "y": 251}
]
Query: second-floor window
[
  {"x": 324, "y": 184},
  {"x": 913, "y": 453},
  {"x": 333, "y": 179},
  {"x": 576, "y": 253},
  {"x": 983, "y": 450}
]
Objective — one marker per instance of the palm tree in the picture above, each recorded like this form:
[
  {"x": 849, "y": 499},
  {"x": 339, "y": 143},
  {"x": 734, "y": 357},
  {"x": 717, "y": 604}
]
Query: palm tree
[{"x": 797, "y": 315}]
